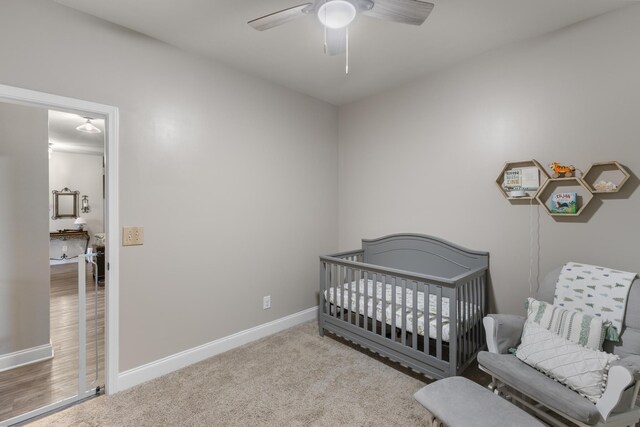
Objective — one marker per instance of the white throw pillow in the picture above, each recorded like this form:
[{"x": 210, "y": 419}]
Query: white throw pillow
[
  {"x": 577, "y": 327},
  {"x": 579, "y": 368}
]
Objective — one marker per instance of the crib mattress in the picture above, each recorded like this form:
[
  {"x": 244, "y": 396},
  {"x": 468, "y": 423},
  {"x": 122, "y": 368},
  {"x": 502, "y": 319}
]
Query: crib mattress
[{"x": 402, "y": 310}]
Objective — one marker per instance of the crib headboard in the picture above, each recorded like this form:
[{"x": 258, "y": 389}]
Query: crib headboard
[{"x": 422, "y": 254}]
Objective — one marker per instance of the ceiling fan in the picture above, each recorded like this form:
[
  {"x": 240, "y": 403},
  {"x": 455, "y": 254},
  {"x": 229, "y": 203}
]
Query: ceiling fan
[{"x": 336, "y": 15}]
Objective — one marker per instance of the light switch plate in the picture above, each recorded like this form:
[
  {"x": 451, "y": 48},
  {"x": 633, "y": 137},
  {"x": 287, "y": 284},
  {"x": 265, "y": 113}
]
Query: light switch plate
[{"x": 132, "y": 236}]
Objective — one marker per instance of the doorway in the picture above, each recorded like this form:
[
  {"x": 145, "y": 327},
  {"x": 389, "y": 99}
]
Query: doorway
[{"x": 24, "y": 312}]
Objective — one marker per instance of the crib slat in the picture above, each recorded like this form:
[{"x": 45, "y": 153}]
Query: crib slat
[
  {"x": 338, "y": 293},
  {"x": 383, "y": 305},
  {"x": 327, "y": 277},
  {"x": 483, "y": 303},
  {"x": 472, "y": 315},
  {"x": 479, "y": 312},
  {"x": 333, "y": 289},
  {"x": 349, "y": 276},
  {"x": 426, "y": 315},
  {"x": 343, "y": 280},
  {"x": 439, "y": 322},
  {"x": 343, "y": 273},
  {"x": 465, "y": 348},
  {"x": 465, "y": 313},
  {"x": 453, "y": 330},
  {"x": 393, "y": 308},
  {"x": 415, "y": 317},
  {"x": 374, "y": 291},
  {"x": 365, "y": 301},
  {"x": 403, "y": 306},
  {"x": 461, "y": 331},
  {"x": 465, "y": 306},
  {"x": 470, "y": 323},
  {"x": 358, "y": 295},
  {"x": 463, "y": 343},
  {"x": 459, "y": 323},
  {"x": 476, "y": 311}
]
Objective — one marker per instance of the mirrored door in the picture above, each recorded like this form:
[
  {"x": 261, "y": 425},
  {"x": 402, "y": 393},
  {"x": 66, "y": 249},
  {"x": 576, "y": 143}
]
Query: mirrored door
[{"x": 48, "y": 334}]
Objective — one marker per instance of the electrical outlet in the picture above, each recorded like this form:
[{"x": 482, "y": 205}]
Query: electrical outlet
[
  {"x": 266, "y": 302},
  {"x": 132, "y": 236}
]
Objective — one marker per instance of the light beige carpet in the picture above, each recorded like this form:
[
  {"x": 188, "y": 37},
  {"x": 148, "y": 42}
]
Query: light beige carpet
[{"x": 294, "y": 378}]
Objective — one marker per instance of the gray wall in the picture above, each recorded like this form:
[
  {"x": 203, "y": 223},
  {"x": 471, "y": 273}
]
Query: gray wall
[
  {"x": 233, "y": 178},
  {"x": 24, "y": 233},
  {"x": 424, "y": 157}
]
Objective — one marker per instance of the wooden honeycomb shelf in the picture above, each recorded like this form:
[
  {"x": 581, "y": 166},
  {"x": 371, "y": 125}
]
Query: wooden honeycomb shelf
[
  {"x": 574, "y": 185},
  {"x": 531, "y": 194},
  {"x": 611, "y": 171}
]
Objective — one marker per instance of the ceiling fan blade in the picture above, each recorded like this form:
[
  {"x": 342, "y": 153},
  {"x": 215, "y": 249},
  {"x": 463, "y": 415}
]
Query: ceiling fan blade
[
  {"x": 412, "y": 12},
  {"x": 336, "y": 41},
  {"x": 278, "y": 18}
]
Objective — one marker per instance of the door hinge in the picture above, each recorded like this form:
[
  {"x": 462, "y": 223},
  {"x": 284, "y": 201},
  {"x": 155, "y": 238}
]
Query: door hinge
[{"x": 108, "y": 266}]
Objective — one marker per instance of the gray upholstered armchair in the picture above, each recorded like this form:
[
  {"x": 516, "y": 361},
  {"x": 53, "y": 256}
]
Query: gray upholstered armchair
[{"x": 522, "y": 383}]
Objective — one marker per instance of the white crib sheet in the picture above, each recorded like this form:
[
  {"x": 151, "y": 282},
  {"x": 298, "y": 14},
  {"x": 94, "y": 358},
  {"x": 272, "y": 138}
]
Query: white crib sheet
[{"x": 473, "y": 311}]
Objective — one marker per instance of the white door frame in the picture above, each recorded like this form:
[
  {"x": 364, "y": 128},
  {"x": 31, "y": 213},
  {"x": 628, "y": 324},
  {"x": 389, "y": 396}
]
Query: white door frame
[{"x": 15, "y": 95}]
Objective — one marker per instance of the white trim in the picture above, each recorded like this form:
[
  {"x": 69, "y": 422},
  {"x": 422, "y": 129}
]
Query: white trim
[
  {"x": 185, "y": 358},
  {"x": 41, "y": 99},
  {"x": 59, "y": 405},
  {"x": 112, "y": 256},
  {"x": 26, "y": 357}
]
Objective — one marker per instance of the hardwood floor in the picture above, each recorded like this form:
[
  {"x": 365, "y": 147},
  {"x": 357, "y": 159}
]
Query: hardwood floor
[{"x": 33, "y": 386}]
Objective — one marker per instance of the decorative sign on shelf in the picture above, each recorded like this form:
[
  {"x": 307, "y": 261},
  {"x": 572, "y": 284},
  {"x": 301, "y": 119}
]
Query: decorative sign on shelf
[
  {"x": 513, "y": 179},
  {"x": 522, "y": 179}
]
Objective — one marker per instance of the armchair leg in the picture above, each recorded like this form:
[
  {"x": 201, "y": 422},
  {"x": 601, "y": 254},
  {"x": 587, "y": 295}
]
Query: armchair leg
[{"x": 495, "y": 386}]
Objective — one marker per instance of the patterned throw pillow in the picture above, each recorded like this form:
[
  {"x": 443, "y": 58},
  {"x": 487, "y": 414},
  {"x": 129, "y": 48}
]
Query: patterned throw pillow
[
  {"x": 588, "y": 331},
  {"x": 581, "y": 369}
]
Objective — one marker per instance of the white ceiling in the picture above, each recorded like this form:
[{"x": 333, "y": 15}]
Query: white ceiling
[
  {"x": 64, "y": 137},
  {"x": 382, "y": 54}
]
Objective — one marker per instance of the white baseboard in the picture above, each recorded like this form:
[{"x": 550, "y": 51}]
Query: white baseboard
[
  {"x": 26, "y": 357},
  {"x": 185, "y": 358}
]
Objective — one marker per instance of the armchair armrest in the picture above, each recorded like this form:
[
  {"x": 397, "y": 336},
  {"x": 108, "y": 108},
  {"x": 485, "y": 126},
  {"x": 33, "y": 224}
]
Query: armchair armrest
[
  {"x": 632, "y": 363},
  {"x": 622, "y": 387},
  {"x": 503, "y": 331}
]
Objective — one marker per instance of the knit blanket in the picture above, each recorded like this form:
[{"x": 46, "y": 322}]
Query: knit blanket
[{"x": 596, "y": 291}]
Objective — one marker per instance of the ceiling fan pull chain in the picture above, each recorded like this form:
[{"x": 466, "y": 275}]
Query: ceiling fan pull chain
[
  {"x": 325, "y": 27},
  {"x": 346, "y": 68}
]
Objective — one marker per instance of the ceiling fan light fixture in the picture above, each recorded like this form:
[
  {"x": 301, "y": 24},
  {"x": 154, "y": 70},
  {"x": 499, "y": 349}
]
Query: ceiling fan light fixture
[
  {"x": 336, "y": 13},
  {"x": 88, "y": 127}
]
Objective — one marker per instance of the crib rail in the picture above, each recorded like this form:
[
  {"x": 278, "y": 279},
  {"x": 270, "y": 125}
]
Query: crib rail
[{"x": 349, "y": 308}]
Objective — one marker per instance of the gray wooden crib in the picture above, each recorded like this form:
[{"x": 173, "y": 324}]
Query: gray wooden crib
[{"x": 398, "y": 296}]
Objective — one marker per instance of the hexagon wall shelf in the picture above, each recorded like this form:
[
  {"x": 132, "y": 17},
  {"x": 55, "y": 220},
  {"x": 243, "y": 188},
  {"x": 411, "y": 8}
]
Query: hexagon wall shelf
[
  {"x": 543, "y": 176},
  {"x": 574, "y": 185},
  {"x": 605, "y": 172}
]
